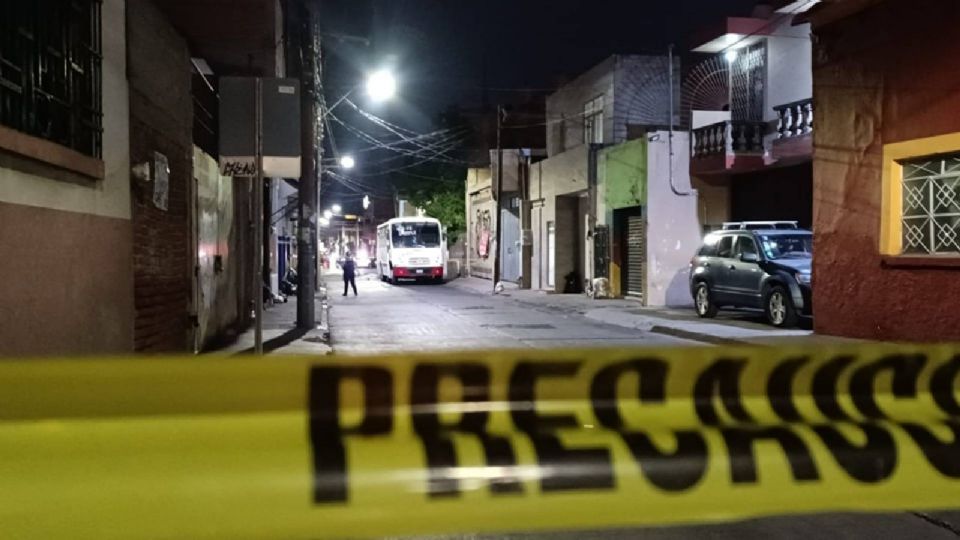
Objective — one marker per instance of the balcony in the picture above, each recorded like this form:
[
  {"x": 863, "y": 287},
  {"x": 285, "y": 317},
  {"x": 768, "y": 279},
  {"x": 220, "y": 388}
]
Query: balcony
[
  {"x": 794, "y": 136},
  {"x": 725, "y": 147}
]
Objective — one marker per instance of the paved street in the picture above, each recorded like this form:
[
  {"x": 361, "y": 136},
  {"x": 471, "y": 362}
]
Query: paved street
[
  {"x": 464, "y": 315},
  {"x": 387, "y": 318}
]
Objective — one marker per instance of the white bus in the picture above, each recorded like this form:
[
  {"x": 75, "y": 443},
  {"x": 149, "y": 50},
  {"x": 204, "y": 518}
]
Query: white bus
[{"x": 413, "y": 248}]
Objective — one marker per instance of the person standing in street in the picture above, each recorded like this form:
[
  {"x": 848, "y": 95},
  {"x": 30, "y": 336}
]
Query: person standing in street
[{"x": 349, "y": 274}]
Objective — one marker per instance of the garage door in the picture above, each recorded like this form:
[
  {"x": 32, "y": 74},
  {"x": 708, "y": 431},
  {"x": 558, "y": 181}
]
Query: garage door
[{"x": 636, "y": 256}]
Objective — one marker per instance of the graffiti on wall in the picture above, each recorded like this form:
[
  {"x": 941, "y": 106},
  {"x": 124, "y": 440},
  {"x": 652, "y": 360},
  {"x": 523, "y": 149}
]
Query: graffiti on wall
[{"x": 481, "y": 232}]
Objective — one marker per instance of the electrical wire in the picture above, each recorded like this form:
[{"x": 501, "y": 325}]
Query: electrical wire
[
  {"x": 436, "y": 150},
  {"x": 389, "y": 127}
]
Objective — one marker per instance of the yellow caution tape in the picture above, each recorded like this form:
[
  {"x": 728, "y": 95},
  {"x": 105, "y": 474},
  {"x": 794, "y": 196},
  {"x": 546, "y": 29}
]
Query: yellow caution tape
[{"x": 343, "y": 447}]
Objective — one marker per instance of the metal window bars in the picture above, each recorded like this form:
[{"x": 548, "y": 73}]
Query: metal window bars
[
  {"x": 50, "y": 71},
  {"x": 931, "y": 206}
]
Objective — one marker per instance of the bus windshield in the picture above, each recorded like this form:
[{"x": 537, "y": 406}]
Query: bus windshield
[{"x": 416, "y": 235}]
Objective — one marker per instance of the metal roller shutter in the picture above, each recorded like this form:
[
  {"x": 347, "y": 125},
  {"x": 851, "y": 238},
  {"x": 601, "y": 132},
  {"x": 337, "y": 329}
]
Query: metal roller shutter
[{"x": 636, "y": 258}]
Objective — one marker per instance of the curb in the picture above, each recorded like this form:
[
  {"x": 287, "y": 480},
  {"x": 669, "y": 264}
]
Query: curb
[{"x": 697, "y": 336}]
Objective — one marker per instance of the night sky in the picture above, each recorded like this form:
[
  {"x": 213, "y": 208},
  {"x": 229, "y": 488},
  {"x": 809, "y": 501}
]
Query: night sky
[{"x": 457, "y": 52}]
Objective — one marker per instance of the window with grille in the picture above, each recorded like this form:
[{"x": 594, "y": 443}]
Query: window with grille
[
  {"x": 50, "y": 78},
  {"x": 931, "y": 206},
  {"x": 593, "y": 121},
  {"x": 747, "y": 75}
]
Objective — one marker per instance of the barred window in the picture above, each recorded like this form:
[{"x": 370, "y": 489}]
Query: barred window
[
  {"x": 593, "y": 121},
  {"x": 931, "y": 206},
  {"x": 50, "y": 71}
]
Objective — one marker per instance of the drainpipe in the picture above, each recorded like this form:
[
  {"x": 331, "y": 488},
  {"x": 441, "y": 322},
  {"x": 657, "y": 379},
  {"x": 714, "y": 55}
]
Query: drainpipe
[{"x": 673, "y": 187}]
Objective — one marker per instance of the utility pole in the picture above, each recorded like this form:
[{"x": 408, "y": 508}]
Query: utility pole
[
  {"x": 310, "y": 136},
  {"x": 499, "y": 193},
  {"x": 258, "y": 223}
]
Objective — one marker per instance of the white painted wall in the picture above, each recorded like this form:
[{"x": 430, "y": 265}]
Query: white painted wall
[
  {"x": 561, "y": 174},
  {"x": 789, "y": 67},
  {"x": 673, "y": 228},
  {"x": 109, "y": 197},
  {"x": 698, "y": 119}
]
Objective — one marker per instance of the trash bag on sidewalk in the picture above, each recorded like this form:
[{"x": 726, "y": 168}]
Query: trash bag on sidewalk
[{"x": 572, "y": 283}]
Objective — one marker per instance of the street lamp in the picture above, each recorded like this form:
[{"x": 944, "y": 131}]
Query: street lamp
[
  {"x": 336, "y": 209},
  {"x": 366, "y": 202},
  {"x": 347, "y": 162},
  {"x": 324, "y": 221},
  {"x": 327, "y": 214},
  {"x": 381, "y": 85}
]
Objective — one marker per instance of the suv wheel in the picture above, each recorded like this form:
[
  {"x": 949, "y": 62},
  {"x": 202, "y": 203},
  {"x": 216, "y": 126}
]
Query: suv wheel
[
  {"x": 703, "y": 302},
  {"x": 779, "y": 308}
]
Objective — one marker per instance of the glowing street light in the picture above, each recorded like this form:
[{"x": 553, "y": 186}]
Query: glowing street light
[
  {"x": 381, "y": 85},
  {"x": 366, "y": 202},
  {"x": 336, "y": 209},
  {"x": 347, "y": 162},
  {"x": 324, "y": 221},
  {"x": 327, "y": 214}
]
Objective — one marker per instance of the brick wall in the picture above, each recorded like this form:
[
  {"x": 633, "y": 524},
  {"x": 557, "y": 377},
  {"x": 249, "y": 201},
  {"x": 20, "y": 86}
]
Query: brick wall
[{"x": 160, "y": 121}]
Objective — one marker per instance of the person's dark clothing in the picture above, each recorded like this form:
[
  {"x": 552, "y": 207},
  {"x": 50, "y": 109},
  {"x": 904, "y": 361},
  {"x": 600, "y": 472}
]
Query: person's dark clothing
[{"x": 349, "y": 275}]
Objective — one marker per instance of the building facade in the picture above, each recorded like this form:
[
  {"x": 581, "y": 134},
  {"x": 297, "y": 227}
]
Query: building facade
[
  {"x": 624, "y": 98},
  {"x": 119, "y": 231},
  {"x": 480, "y": 237},
  {"x": 647, "y": 224},
  {"x": 749, "y": 104},
  {"x": 65, "y": 198},
  {"x": 886, "y": 173}
]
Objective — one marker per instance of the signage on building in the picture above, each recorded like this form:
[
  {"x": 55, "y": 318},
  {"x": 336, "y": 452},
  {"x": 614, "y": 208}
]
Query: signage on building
[{"x": 280, "y": 101}]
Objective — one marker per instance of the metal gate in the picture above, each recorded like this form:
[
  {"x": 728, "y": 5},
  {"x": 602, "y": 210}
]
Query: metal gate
[
  {"x": 636, "y": 256},
  {"x": 601, "y": 251},
  {"x": 510, "y": 248}
]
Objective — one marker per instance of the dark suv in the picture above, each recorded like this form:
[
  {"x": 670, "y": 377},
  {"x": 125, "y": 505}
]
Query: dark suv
[{"x": 762, "y": 265}]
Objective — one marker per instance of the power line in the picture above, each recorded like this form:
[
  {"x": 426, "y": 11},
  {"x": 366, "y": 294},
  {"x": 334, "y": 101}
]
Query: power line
[
  {"x": 436, "y": 150},
  {"x": 389, "y": 127},
  {"x": 397, "y": 146}
]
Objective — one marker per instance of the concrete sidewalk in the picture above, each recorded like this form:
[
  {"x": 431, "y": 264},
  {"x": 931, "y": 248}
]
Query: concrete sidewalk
[
  {"x": 281, "y": 335},
  {"x": 731, "y": 327}
]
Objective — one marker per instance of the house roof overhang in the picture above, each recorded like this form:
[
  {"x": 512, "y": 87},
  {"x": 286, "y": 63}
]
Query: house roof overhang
[
  {"x": 830, "y": 11},
  {"x": 731, "y": 33},
  {"x": 235, "y": 36}
]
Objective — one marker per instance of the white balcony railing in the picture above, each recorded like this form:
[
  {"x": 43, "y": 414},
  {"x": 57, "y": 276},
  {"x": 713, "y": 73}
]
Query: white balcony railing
[
  {"x": 728, "y": 137},
  {"x": 794, "y": 119}
]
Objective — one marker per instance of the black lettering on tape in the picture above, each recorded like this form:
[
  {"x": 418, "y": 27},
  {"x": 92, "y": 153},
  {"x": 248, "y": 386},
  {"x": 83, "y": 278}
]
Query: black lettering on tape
[
  {"x": 825, "y": 382},
  {"x": 743, "y": 461},
  {"x": 944, "y": 456},
  {"x": 722, "y": 377},
  {"x": 675, "y": 471},
  {"x": 906, "y": 370},
  {"x": 943, "y": 384},
  {"x": 439, "y": 447},
  {"x": 780, "y": 388},
  {"x": 874, "y": 461},
  {"x": 563, "y": 468},
  {"x": 326, "y": 433}
]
